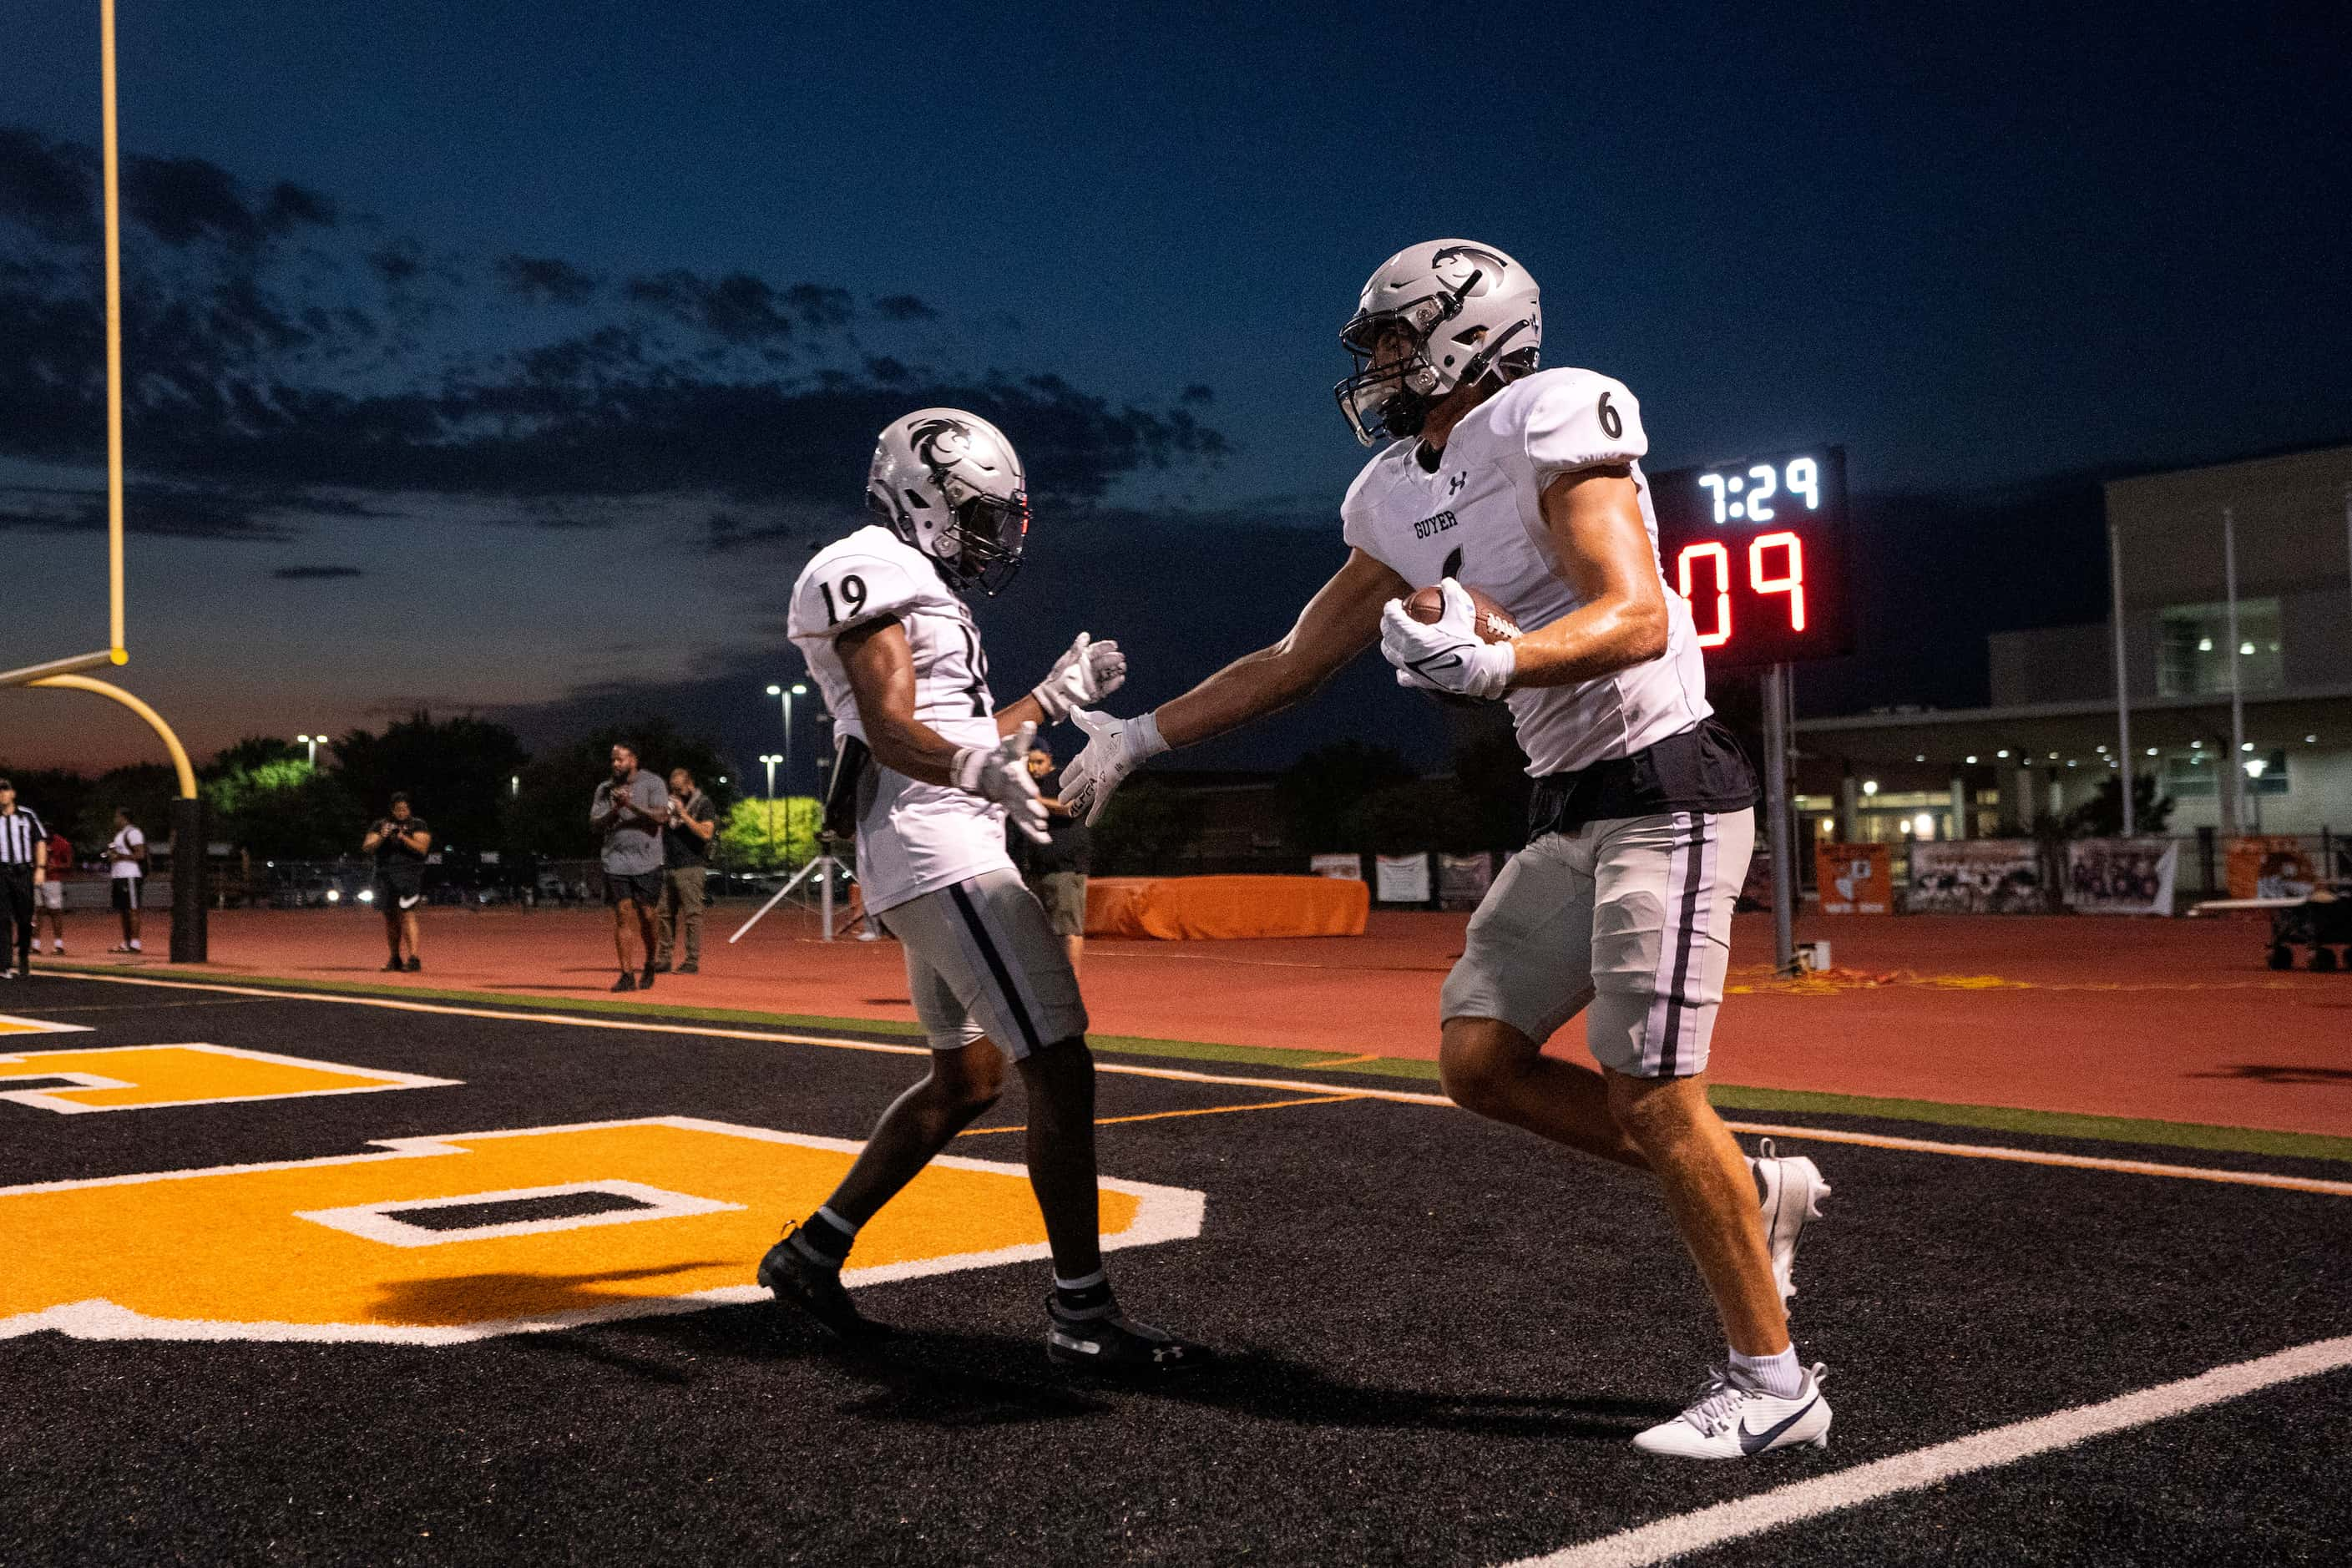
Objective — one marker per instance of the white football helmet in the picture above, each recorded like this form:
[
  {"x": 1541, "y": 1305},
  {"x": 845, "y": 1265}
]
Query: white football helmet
[
  {"x": 1467, "y": 309},
  {"x": 950, "y": 484}
]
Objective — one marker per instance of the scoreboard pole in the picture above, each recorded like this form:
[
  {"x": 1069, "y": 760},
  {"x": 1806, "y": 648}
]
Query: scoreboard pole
[{"x": 1777, "y": 711}]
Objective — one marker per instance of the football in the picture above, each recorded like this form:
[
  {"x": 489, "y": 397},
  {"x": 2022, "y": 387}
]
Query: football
[{"x": 1491, "y": 622}]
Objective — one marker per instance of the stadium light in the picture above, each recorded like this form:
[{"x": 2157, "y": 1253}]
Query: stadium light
[
  {"x": 775, "y": 691},
  {"x": 1972, "y": 759},
  {"x": 2311, "y": 740},
  {"x": 1923, "y": 826},
  {"x": 1870, "y": 786},
  {"x": 2255, "y": 766},
  {"x": 2003, "y": 753},
  {"x": 2245, "y": 745}
]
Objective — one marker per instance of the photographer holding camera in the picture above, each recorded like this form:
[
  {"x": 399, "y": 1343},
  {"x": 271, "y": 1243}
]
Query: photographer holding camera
[
  {"x": 627, "y": 814},
  {"x": 400, "y": 843},
  {"x": 685, "y": 862}
]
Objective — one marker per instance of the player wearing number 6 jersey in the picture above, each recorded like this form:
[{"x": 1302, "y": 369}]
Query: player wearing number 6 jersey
[
  {"x": 1528, "y": 484},
  {"x": 929, "y": 769}
]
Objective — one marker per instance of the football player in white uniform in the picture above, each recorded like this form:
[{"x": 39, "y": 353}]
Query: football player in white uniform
[
  {"x": 930, "y": 769},
  {"x": 1528, "y": 484}
]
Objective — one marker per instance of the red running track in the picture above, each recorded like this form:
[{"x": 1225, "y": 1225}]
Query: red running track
[{"x": 2175, "y": 1020}]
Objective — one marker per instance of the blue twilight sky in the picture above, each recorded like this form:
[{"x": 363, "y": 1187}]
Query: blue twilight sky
[{"x": 510, "y": 358}]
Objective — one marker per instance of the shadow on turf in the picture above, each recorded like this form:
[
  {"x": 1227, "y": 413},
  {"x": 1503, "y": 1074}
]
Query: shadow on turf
[{"x": 952, "y": 1379}]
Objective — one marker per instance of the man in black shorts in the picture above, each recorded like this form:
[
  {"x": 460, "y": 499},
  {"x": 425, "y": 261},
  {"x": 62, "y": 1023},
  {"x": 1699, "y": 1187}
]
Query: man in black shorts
[
  {"x": 627, "y": 817},
  {"x": 400, "y": 843}
]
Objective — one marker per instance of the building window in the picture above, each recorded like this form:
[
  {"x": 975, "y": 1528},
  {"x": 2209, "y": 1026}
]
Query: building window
[
  {"x": 2193, "y": 649},
  {"x": 2197, "y": 774}
]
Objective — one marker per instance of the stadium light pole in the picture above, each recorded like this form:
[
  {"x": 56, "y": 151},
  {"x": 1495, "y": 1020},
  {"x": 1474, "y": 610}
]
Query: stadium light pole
[
  {"x": 2237, "y": 695},
  {"x": 2123, "y": 685},
  {"x": 771, "y": 759},
  {"x": 784, "y": 696}
]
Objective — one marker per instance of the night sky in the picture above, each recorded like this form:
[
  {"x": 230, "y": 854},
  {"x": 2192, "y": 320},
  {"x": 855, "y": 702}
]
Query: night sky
[{"x": 510, "y": 359}]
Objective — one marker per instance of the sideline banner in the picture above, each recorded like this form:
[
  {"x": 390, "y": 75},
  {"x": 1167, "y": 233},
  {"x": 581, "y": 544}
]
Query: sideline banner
[
  {"x": 1463, "y": 880},
  {"x": 1346, "y": 868},
  {"x": 1976, "y": 877},
  {"x": 2121, "y": 875},
  {"x": 1854, "y": 878},
  {"x": 2270, "y": 866},
  {"x": 1402, "y": 879}
]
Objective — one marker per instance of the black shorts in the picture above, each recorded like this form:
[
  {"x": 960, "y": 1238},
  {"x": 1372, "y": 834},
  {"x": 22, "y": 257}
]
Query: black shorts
[
  {"x": 645, "y": 886},
  {"x": 126, "y": 892},
  {"x": 395, "y": 893}
]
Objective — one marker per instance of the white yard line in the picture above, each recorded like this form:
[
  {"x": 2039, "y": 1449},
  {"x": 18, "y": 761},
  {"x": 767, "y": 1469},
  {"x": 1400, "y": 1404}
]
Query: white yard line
[
  {"x": 1236, "y": 1080},
  {"x": 1747, "y": 1516}
]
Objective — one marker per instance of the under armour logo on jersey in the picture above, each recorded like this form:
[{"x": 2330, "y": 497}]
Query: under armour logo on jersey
[{"x": 1454, "y": 485}]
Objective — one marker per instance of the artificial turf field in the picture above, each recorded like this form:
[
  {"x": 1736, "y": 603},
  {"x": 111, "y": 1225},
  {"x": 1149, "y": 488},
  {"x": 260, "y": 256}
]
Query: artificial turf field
[{"x": 1440, "y": 1333}]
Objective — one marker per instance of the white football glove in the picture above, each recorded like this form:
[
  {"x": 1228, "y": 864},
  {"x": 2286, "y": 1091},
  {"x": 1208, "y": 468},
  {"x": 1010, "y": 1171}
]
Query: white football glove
[
  {"x": 1081, "y": 677},
  {"x": 1115, "y": 748},
  {"x": 1001, "y": 774},
  {"x": 1446, "y": 656}
]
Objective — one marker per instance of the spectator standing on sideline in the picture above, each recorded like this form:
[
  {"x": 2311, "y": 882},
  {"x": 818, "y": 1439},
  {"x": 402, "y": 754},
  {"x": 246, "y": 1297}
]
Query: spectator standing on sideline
[
  {"x": 23, "y": 849},
  {"x": 50, "y": 894},
  {"x": 400, "y": 842},
  {"x": 626, "y": 816},
  {"x": 685, "y": 861},
  {"x": 127, "y": 854},
  {"x": 1056, "y": 869}
]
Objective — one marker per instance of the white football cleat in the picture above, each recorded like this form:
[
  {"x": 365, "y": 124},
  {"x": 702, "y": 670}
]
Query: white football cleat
[
  {"x": 1732, "y": 1421},
  {"x": 1793, "y": 1191}
]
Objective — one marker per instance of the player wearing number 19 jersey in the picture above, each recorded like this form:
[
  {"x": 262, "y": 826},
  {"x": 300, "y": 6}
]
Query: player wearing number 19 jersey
[
  {"x": 927, "y": 770},
  {"x": 1527, "y": 483}
]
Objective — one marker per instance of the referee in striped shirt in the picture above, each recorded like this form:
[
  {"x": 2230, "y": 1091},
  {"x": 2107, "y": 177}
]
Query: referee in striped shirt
[{"x": 24, "y": 860}]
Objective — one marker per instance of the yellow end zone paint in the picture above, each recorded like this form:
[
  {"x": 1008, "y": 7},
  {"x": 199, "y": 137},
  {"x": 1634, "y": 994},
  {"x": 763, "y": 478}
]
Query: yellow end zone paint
[
  {"x": 10, "y": 1026},
  {"x": 333, "y": 1249},
  {"x": 146, "y": 1077}
]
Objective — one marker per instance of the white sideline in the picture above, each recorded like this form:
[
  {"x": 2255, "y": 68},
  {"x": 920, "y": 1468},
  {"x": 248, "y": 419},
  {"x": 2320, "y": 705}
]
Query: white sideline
[
  {"x": 1181, "y": 1075},
  {"x": 1926, "y": 1466}
]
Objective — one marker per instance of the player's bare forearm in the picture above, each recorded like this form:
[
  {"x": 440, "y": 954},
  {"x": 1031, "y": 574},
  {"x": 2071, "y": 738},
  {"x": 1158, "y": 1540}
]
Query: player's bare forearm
[
  {"x": 1028, "y": 711},
  {"x": 881, "y": 669},
  {"x": 1340, "y": 621},
  {"x": 1601, "y": 548}
]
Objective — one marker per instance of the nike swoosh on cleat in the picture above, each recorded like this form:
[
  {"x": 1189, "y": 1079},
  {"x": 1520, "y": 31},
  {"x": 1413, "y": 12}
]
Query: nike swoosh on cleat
[{"x": 1757, "y": 1442}]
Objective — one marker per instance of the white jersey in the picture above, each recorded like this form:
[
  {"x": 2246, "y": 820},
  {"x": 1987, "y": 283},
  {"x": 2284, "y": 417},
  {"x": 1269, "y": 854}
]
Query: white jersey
[
  {"x": 1476, "y": 518},
  {"x": 912, "y": 838}
]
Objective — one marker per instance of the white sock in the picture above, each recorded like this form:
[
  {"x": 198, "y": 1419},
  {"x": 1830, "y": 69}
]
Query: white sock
[
  {"x": 37, "y": 947},
  {"x": 1778, "y": 1375},
  {"x": 134, "y": 944}
]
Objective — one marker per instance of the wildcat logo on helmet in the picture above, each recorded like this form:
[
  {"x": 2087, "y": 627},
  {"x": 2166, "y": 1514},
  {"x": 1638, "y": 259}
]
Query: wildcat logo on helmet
[{"x": 950, "y": 484}]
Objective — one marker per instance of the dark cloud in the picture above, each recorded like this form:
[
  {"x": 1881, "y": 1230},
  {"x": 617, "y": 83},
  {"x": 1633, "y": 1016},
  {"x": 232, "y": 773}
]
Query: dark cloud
[
  {"x": 358, "y": 361},
  {"x": 316, "y": 574},
  {"x": 725, "y": 532},
  {"x": 1108, "y": 572},
  {"x": 546, "y": 280},
  {"x": 156, "y": 510}
]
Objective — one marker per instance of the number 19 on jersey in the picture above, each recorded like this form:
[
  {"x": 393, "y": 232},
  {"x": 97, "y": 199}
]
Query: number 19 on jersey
[{"x": 1758, "y": 548}]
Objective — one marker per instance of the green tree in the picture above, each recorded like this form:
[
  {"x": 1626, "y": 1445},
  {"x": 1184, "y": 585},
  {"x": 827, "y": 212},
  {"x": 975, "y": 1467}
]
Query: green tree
[
  {"x": 1493, "y": 773},
  {"x": 457, "y": 774},
  {"x": 1146, "y": 827},
  {"x": 550, "y": 816},
  {"x": 1323, "y": 787},
  {"x": 280, "y": 808},
  {"x": 1408, "y": 818},
  {"x": 2102, "y": 816},
  {"x": 147, "y": 788},
  {"x": 62, "y": 800},
  {"x": 761, "y": 835}
]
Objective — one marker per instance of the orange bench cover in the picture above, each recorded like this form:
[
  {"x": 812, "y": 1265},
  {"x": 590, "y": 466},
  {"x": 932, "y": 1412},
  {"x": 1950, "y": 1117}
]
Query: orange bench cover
[{"x": 1179, "y": 908}]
